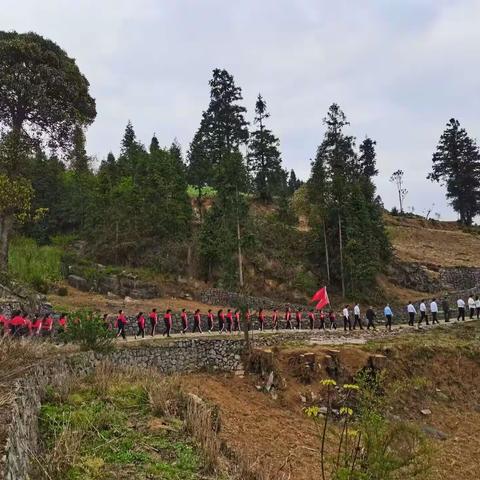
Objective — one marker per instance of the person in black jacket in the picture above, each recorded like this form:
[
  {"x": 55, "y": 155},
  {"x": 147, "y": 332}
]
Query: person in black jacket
[{"x": 370, "y": 315}]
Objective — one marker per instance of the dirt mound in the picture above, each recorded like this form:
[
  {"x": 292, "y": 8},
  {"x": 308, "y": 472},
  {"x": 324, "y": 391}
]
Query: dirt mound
[{"x": 438, "y": 372}]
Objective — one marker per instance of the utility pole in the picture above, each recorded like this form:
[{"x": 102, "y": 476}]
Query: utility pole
[
  {"x": 326, "y": 251},
  {"x": 239, "y": 244},
  {"x": 341, "y": 253}
]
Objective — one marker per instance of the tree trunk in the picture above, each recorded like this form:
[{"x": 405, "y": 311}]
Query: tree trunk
[
  {"x": 326, "y": 251},
  {"x": 6, "y": 224},
  {"x": 239, "y": 245}
]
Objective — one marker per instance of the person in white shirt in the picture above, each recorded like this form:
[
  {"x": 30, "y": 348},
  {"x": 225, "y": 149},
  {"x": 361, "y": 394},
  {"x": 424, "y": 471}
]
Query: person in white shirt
[
  {"x": 356, "y": 317},
  {"x": 434, "y": 311},
  {"x": 471, "y": 306},
  {"x": 346, "y": 319},
  {"x": 411, "y": 313},
  {"x": 461, "y": 309},
  {"x": 477, "y": 307},
  {"x": 423, "y": 313}
]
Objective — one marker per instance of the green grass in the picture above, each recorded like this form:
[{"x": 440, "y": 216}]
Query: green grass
[
  {"x": 113, "y": 438},
  {"x": 37, "y": 266},
  {"x": 207, "y": 192}
]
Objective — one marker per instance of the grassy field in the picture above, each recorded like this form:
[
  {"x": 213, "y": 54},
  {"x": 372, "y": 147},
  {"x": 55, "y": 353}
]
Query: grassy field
[
  {"x": 37, "y": 266},
  {"x": 109, "y": 427}
]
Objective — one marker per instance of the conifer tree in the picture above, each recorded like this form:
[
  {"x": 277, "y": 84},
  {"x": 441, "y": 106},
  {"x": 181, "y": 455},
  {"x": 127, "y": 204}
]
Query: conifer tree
[
  {"x": 263, "y": 156},
  {"x": 78, "y": 158},
  {"x": 456, "y": 164},
  {"x": 293, "y": 182},
  {"x": 154, "y": 145}
]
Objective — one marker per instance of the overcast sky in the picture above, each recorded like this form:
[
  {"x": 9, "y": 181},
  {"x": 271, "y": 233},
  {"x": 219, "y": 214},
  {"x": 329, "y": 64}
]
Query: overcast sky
[{"x": 398, "y": 68}]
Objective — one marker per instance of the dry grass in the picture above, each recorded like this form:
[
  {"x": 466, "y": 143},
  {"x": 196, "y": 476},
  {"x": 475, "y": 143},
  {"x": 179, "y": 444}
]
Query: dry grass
[
  {"x": 442, "y": 244},
  {"x": 203, "y": 423}
]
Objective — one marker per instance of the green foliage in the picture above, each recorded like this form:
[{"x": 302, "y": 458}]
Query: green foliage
[
  {"x": 456, "y": 164},
  {"x": 205, "y": 192},
  {"x": 88, "y": 330},
  {"x": 342, "y": 196},
  {"x": 38, "y": 266},
  {"x": 264, "y": 157}
]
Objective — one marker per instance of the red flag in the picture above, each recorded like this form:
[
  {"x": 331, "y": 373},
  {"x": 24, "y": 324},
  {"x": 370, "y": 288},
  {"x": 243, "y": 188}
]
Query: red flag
[{"x": 321, "y": 297}]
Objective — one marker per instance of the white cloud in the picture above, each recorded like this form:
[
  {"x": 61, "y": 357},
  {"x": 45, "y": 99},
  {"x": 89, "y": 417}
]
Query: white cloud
[{"x": 400, "y": 70}]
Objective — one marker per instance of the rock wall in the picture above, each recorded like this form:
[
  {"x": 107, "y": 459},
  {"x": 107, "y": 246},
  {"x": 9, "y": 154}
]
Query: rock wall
[
  {"x": 22, "y": 436},
  {"x": 460, "y": 278},
  {"x": 215, "y": 296},
  {"x": 123, "y": 285}
]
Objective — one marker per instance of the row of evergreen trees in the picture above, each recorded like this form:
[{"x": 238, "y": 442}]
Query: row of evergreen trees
[{"x": 139, "y": 200}]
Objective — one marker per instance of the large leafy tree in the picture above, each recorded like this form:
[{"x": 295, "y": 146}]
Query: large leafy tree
[
  {"x": 43, "y": 98},
  {"x": 264, "y": 156},
  {"x": 456, "y": 164}
]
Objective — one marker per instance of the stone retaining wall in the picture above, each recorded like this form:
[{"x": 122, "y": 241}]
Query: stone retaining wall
[
  {"x": 461, "y": 278},
  {"x": 182, "y": 355},
  {"x": 215, "y": 296}
]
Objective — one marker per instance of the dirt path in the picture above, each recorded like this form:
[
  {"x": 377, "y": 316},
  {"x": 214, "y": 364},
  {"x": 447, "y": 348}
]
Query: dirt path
[{"x": 318, "y": 337}]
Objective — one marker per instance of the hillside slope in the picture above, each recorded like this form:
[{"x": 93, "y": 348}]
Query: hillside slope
[{"x": 433, "y": 243}]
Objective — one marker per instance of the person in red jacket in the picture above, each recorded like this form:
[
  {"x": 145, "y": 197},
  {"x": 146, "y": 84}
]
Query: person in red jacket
[
  {"x": 197, "y": 319},
  {"x": 210, "y": 320},
  {"x": 333, "y": 320},
  {"x": 221, "y": 321},
  {"x": 47, "y": 325},
  {"x": 288, "y": 319},
  {"x": 236, "y": 316},
  {"x": 153, "y": 316},
  {"x": 3, "y": 320},
  {"x": 62, "y": 323},
  {"x": 167, "y": 319},
  {"x": 275, "y": 319},
  {"x": 311, "y": 318},
  {"x": 184, "y": 317},
  {"x": 36, "y": 325},
  {"x": 229, "y": 321},
  {"x": 27, "y": 325},
  {"x": 298, "y": 319},
  {"x": 121, "y": 324},
  {"x": 141, "y": 325},
  {"x": 16, "y": 324},
  {"x": 322, "y": 320},
  {"x": 261, "y": 319}
]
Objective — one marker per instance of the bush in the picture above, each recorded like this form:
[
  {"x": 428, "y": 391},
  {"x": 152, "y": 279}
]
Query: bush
[
  {"x": 368, "y": 445},
  {"x": 88, "y": 330}
]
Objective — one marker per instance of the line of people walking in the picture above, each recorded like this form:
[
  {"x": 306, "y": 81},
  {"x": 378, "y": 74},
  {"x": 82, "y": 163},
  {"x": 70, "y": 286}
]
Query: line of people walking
[
  {"x": 228, "y": 320},
  {"x": 425, "y": 308},
  {"x": 22, "y": 324}
]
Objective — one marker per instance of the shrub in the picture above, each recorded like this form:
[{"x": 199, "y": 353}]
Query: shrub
[
  {"x": 88, "y": 330},
  {"x": 368, "y": 445}
]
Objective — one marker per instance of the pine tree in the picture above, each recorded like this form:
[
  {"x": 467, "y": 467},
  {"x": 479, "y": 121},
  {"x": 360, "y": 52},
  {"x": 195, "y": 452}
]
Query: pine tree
[
  {"x": 223, "y": 127},
  {"x": 456, "y": 164},
  {"x": 129, "y": 140},
  {"x": 264, "y": 157},
  {"x": 154, "y": 145},
  {"x": 367, "y": 158},
  {"x": 347, "y": 231},
  {"x": 293, "y": 182},
  {"x": 78, "y": 158}
]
